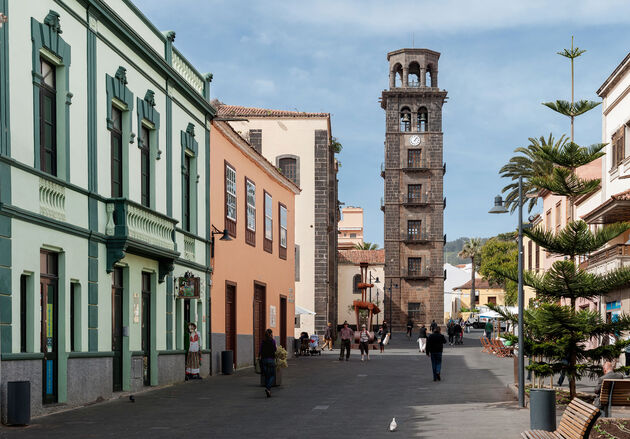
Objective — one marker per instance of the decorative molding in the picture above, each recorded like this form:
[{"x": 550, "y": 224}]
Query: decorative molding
[
  {"x": 52, "y": 21},
  {"x": 149, "y": 97},
  {"x": 5, "y": 107},
  {"x": 52, "y": 199},
  {"x": 116, "y": 87}
]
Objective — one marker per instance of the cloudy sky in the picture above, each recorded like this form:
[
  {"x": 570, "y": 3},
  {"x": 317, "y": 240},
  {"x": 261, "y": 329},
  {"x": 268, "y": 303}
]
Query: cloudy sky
[{"x": 498, "y": 64}]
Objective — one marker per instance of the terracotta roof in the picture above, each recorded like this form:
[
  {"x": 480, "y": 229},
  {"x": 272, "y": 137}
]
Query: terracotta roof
[
  {"x": 480, "y": 284},
  {"x": 625, "y": 195},
  {"x": 239, "y": 111},
  {"x": 373, "y": 257}
]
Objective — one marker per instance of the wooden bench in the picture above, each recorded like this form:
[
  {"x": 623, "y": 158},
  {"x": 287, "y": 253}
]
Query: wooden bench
[
  {"x": 486, "y": 344},
  {"x": 576, "y": 423},
  {"x": 501, "y": 349},
  {"x": 614, "y": 393}
]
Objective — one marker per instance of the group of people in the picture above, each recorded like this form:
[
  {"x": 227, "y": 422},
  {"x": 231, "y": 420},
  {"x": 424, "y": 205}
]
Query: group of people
[
  {"x": 455, "y": 331},
  {"x": 347, "y": 336}
]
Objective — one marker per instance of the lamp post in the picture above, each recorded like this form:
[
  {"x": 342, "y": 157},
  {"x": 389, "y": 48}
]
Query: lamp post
[
  {"x": 500, "y": 208},
  {"x": 376, "y": 281},
  {"x": 225, "y": 236}
]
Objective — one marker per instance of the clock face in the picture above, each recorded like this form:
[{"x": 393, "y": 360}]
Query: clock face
[{"x": 414, "y": 140}]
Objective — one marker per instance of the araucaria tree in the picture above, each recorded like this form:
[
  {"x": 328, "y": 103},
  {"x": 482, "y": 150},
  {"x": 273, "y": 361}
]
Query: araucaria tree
[{"x": 557, "y": 334}]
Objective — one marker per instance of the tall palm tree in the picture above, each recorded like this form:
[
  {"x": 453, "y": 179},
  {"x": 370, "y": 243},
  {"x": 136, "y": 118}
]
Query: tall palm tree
[
  {"x": 529, "y": 164},
  {"x": 472, "y": 250},
  {"x": 366, "y": 246}
]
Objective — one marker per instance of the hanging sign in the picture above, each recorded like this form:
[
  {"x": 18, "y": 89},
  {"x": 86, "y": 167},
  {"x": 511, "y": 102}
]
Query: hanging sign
[
  {"x": 272, "y": 316},
  {"x": 188, "y": 286}
]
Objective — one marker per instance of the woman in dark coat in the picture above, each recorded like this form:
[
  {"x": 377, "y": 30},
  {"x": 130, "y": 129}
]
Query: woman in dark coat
[{"x": 268, "y": 360}]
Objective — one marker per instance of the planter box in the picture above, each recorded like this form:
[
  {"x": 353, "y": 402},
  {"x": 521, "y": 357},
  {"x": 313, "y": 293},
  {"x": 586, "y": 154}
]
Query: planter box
[{"x": 277, "y": 381}]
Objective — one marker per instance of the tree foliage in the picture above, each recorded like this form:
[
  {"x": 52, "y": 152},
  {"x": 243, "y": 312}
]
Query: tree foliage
[
  {"x": 501, "y": 253},
  {"x": 366, "y": 246}
]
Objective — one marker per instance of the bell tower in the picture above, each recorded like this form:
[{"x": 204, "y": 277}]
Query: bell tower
[{"x": 413, "y": 202}]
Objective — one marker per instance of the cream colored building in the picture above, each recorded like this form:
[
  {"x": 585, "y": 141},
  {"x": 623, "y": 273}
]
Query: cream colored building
[
  {"x": 350, "y": 276},
  {"x": 300, "y": 145},
  {"x": 350, "y": 228}
]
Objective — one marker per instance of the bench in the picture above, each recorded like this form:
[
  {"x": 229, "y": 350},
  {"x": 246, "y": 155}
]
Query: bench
[
  {"x": 501, "y": 349},
  {"x": 485, "y": 343},
  {"x": 614, "y": 393},
  {"x": 576, "y": 423}
]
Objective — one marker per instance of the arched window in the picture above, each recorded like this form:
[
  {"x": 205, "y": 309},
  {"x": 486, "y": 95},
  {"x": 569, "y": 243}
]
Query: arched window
[
  {"x": 288, "y": 166},
  {"x": 355, "y": 283},
  {"x": 397, "y": 71},
  {"x": 405, "y": 119},
  {"x": 423, "y": 119},
  {"x": 413, "y": 78},
  {"x": 429, "y": 76}
]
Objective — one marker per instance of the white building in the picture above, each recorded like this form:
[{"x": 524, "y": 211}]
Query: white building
[
  {"x": 350, "y": 228},
  {"x": 455, "y": 276},
  {"x": 300, "y": 145},
  {"x": 104, "y": 140}
]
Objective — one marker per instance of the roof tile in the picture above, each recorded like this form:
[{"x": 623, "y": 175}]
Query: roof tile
[{"x": 374, "y": 257}]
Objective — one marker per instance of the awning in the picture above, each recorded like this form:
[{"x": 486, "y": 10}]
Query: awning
[{"x": 300, "y": 310}]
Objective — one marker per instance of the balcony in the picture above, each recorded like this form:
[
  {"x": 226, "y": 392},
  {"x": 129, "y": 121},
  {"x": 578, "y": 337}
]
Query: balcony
[
  {"x": 133, "y": 228},
  {"x": 382, "y": 170},
  {"x": 419, "y": 237},
  {"x": 613, "y": 257},
  {"x": 382, "y": 204},
  {"x": 423, "y": 164},
  {"x": 416, "y": 274},
  {"x": 413, "y": 199}
]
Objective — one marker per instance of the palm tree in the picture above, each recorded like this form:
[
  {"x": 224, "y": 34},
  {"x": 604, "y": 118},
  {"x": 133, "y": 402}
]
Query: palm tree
[
  {"x": 529, "y": 164},
  {"x": 366, "y": 246},
  {"x": 472, "y": 250}
]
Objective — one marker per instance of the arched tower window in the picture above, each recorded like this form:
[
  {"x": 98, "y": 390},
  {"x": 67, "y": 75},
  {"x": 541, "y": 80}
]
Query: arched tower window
[
  {"x": 355, "y": 283},
  {"x": 413, "y": 79},
  {"x": 423, "y": 119},
  {"x": 397, "y": 73},
  {"x": 405, "y": 119},
  {"x": 429, "y": 76}
]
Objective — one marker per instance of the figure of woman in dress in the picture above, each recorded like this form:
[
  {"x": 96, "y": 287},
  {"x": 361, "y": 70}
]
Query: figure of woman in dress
[{"x": 193, "y": 358}]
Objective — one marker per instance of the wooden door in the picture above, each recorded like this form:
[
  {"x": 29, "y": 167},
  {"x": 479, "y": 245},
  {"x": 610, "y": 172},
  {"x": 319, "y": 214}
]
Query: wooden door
[
  {"x": 283, "y": 322},
  {"x": 49, "y": 284},
  {"x": 230, "y": 319},
  {"x": 259, "y": 316},
  {"x": 146, "y": 328},
  {"x": 117, "y": 344}
]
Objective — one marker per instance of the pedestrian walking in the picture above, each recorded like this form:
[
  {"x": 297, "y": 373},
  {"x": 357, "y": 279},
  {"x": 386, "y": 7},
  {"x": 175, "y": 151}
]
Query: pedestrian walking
[
  {"x": 409, "y": 328},
  {"x": 450, "y": 331},
  {"x": 422, "y": 339},
  {"x": 193, "y": 356},
  {"x": 489, "y": 329},
  {"x": 435, "y": 347},
  {"x": 328, "y": 337},
  {"x": 347, "y": 334},
  {"x": 364, "y": 338},
  {"x": 468, "y": 325},
  {"x": 383, "y": 333},
  {"x": 268, "y": 360},
  {"x": 433, "y": 326},
  {"x": 457, "y": 331}
]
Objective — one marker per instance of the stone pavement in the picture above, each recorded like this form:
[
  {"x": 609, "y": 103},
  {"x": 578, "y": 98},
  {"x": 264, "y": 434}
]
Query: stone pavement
[{"x": 321, "y": 397}]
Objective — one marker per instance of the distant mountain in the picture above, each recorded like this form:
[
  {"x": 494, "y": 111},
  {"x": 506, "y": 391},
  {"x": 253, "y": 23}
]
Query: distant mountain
[{"x": 453, "y": 247}]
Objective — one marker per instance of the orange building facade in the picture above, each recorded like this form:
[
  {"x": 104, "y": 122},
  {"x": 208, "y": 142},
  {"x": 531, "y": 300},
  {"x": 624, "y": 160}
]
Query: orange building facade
[{"x": 253, "y": 278}]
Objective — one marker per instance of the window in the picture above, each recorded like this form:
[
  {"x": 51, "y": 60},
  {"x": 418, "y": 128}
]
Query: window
[
  {"x": 255, "y": 139},
  {"x": 537, "y": 257},
  {"x": 250, "y": 226},
  {"x": 405, "y": 119},
  {"x": 268, "y": 241},
  {"x": 548, "y": 220},
  {"x": 282, "y": 213},
  {"x": 297, "y": 263},
  {"x": 73, "y": 316},
  {"x": 230, "y": 199},
  {"x": 145, "y": 166},
  {"x": 116, "y": 153},
  {"x": 23, "y": 312},
  {"x": 558, "y": 218},
  {"x": 529, "y": 254},
  {"x": 288, "y": 166},
  {"x": 414, "y": 311},
  {"x": 618, "y": 146},
  {"x": 414, "y": 157},
  {"x": 356, "y": 279},
  {"x": 48, "y": 119},
  {"x": 492, "y": 299},
  {"x": 423, "y": 120},
  {"x": 414, "y": 193},
  {"x": 353, "y": 235},
  {"x": 414, "y": 265},
  {"x": 186, "y": 192},
  {"x": 414, "y": 230}
]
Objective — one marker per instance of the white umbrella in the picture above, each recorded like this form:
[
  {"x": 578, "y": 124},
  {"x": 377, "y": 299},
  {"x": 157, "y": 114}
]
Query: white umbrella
[
  {"x": 300, "y": 310},
  {"x": 490, "y": 315}
]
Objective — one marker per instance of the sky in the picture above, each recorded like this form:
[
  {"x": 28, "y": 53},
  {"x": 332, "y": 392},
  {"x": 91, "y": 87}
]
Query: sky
[{"x": 498, "y": 63}]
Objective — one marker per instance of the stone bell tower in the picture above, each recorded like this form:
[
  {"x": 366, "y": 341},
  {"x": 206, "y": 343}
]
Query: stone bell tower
[{"x": 414, "y": 202}]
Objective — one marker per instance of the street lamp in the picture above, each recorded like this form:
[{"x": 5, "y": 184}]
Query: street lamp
[
  {"x": 225, "y": 236},
  {"x": 376, "y": 281},
  {"x": 500, "y": 208}
]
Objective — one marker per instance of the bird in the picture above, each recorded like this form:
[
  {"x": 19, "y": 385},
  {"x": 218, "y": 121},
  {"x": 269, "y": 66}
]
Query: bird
[
  {"x": 132, "y": 398},
  {"x": 393, "y": 425}
]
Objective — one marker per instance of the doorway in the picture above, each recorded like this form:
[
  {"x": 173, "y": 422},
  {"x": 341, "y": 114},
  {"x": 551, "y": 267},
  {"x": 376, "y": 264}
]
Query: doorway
[
  {"x": 230, "y": 318},
  {"x": 187, "y": 320},
  {"x": 283, "y": 322},
  {"x": 260, "y": 292},
  {"x": 49, "y": 289},
  {"x": 117, "y": 324},
  {"x": 146, "y": 328}
]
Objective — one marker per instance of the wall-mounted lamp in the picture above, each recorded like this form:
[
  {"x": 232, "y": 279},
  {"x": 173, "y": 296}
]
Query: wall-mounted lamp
[{"x": 225, "y": 236}]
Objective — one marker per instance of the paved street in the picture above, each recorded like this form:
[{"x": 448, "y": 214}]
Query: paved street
[{"x": 321, "y": 397}]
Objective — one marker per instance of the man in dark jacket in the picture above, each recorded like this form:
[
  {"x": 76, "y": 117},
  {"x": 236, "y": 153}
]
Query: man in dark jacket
[
  {"x": 435, "y": 346},
  {"x": 347, "y": 335}
]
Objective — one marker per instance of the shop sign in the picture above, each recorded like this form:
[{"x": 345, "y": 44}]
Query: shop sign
[{"x": 188, "y": 286}]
